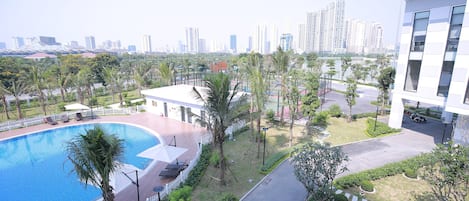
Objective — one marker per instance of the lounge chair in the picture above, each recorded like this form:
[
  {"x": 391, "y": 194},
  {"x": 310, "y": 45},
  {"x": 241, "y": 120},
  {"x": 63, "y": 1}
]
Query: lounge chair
[
  {"x": 180, "y": 166},
  {"x": 65, "y": 118},
  {"x": 169, "y": 173},
  {"x": 50, "y": 121},
  {"x": 78, "y": 117}
]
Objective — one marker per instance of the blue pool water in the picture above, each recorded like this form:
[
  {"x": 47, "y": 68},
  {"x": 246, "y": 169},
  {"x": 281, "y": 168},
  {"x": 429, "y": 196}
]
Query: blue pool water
[{"x": 35, "y": 166}]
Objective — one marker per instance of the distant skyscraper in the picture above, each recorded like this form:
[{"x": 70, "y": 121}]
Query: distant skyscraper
[
  {"x": 286, "y": 41},
  {"x": 260, "y": 41},
  {"x": 233, "y": 43},
  {"x": 18, "y": 42},
  {"x": 132, "y": 48},
  {"x": 146, "y": 44},
  {"x": 192, "y": 40},
  {"x": 90, "y": 43},
  {"x": 363, "y": 37},
  {"x": 74, "y": 44},
  {"x": 116, "y": 45},
  {"x": 249, "y": 49},
  {"x": 3, "y": 46},
  {"x": 48, "y": 40},
  {"x": 107, "y": 45},
  {"x": 301, "y": 44},
  {"x": 324, "y": 29},
  {"x": 202, "y": 45}
]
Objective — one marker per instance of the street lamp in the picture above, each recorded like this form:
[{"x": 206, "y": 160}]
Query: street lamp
[
  {"x": 265, "y": 139},
  {"x": 134, "y": 183},
  {"x": 376, "y": 116},
  {"x": 158, "y": 189}
]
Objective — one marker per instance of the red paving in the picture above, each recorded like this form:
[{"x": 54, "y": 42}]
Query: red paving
[{"x": 187, "y": 136}]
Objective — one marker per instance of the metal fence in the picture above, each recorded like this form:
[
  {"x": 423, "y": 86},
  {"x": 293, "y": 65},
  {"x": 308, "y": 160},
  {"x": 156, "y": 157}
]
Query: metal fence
[
  {"x": 169, "y": 187},
  {"x": 14, "y": 124}
]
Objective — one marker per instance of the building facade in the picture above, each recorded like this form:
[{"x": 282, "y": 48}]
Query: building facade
[
  {"x": 192, "y": 40},
  {"x": 233, "y": 44},
  {"x": 90, "y": 42},
  {"x": 18, "y": 42},
  {"x": 286, "y": 41},
  {"x": 432, "y": 66},
  {"x": 146, "y": 44}
]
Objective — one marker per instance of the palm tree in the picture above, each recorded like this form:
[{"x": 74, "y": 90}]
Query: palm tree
[
  {"x": 281, "y": 60},
  {"x": 346, "y": 63},
  {"x": 36, "y": 85},
  {"x": 166, "y": 73},
  {"x": 115, "y": 79},
  {"x": 95, "y": 156},
  {"x": 222, "y": 109}
]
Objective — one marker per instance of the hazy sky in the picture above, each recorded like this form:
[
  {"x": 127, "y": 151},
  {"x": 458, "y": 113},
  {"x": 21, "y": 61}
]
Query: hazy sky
[{"x": 165, "y": 20}]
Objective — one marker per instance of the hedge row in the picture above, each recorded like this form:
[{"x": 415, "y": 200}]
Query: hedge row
[
  {"x": 273, "y": 161},
  {"x": 381, "y": 128},
  {"x": 391, "y": 169},
  {"x": 198, "y": 171}
]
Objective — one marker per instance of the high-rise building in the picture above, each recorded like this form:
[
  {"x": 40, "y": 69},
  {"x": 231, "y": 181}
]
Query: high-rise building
[
  {"x": 261, "y": 44},
  {"x": 146, "y": 44},
  {"x": 47, "y": 40},
  {"x": 74, "y": 44},
  {"x": 361, "y": 37},
  {"x": 249, "y": 49},
  {"x": 432, "y": 66},
  {"x": 233, "y": 43},
  {"x": 324, "y": 28},
  {"x": 286, "y": 41},
  {"x": 202, "y": 45},
  {"x": 301, "y": 42},
  {"x": 131, "y": 48},
  {"x": 192, "y": 40},
  {"x": 3, "y": 45},
  {"x": 116, "y": 45},
  {"x": 90, "y": 43},
  {"x": 18, "y": 42}
]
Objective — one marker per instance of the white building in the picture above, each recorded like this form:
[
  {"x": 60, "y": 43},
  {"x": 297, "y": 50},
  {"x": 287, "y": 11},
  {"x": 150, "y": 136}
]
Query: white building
[
  {"x": 90, "y": 43},
  {"x": 146, "y": 44},
  {"x": 433, "y": 62},
  {"x": 301, "y": 42},
  {"x": 192, "y": 40},
  {"x": 179, "y": 102}
]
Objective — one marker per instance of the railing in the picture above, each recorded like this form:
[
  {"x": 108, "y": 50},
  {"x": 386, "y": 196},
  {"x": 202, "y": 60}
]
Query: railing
[
  {"x": 205, "y": 139},
  {"x": 10, "y": 125}
]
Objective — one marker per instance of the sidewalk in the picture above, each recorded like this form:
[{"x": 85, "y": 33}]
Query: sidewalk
[{"x": 282, "y": 184}]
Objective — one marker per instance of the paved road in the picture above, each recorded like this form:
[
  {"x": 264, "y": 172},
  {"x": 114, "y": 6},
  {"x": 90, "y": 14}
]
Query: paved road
[{"x": 282, "y": 185}]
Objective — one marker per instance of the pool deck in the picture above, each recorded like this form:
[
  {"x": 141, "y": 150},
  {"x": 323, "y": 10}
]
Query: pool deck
[{"x": 187, "y": 136}]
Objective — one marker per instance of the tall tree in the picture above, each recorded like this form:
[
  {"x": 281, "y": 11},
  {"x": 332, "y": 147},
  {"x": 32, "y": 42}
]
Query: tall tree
[
  {"x": 316, "y": 165},
  {"x": 95, "y": 156},
  {"x": 166, "y": 73},
  {"x": 350, "y": 95},
  {"x": 331, "y": 71},
  {"x": 293, "y": 97},
  {"x": 115, "y": 80},
  {"x": 224, "y": 108},
  {"x": 281, "y": 60},
  {"x": 310, "y": 100},
  {"x": 385, "y": 80},
  {"x": 37, "y": 84},
  {"x": 100, "y": 62},
  {"x": 14, "y": 80},
  {"x": 346, "y": 63}
]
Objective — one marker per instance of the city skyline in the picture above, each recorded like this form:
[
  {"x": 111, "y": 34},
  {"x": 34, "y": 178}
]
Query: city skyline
[{"x": 167, "y": 22}]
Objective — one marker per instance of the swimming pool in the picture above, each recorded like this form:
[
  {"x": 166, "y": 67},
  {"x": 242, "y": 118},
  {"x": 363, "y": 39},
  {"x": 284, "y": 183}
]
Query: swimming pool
[{"x": 35, "y": 166}]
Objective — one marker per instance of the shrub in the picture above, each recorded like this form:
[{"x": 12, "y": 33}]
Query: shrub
[
  {"x": 229, "y": 197},
  {"x": 181, "y": 194},
  {"x": 274, "y": 160},
  {"x": 321, "y": 118},
  {"x": 215, "y": 159},
  {"x": 240, "y": 130},
  {"x": 270, "y": 116},
  {"x": 367, "y": 186},
  {"x": 381, "y": 128},
  {"x": 411, "y": 173},
  {"x": 391, "y": 169},
  {"x": 198, "y": 171},
  {"x": 61, "y": 106},
  {"x": 340, "y": 197},
  {"x": 335, "y": 111},
  {"x": 93, "y": 101},
  {"x": 364, "y": 115}
]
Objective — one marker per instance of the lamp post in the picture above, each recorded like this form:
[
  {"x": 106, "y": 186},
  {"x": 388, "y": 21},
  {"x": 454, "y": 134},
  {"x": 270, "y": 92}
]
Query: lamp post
[
  {"x": 134, "y": 183},
  {"x": 265, "y": 139},
  {"x": 376, "y": 116},
  {"x": 158, "y": 189}
]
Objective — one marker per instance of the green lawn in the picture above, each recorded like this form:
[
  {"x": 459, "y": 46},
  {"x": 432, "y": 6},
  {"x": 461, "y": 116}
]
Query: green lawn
[
  {"x": 342, "y": 132},
  {"x": 398, "y": 188}
]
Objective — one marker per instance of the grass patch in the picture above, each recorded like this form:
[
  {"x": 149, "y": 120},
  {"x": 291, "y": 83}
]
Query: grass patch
[
  {"x": 376, "y": 128},
  {"x": 343, "y": 132},
  {"x": 397, "y": 188}
]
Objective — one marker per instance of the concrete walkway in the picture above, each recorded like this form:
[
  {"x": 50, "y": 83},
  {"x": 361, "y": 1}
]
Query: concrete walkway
[{"x": 282, "y": 184}]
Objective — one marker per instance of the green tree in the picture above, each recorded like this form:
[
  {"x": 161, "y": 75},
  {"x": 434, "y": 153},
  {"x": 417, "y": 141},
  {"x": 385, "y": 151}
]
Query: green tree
[
  {"x": 331, "y": 72},
  {"x": 311, "y": 101},
  {"x": 100, "y": 62},
  {"x": 293, "y": 97},
  {"x": 350, "y": 95},
  {"x": 316, "y": 165},
  {"x": 37, "y": 84},
  {"x": 115, "y": 80},
  {"x": 346, "y": 63},
  {"x": 224, "y": 107},
  {"x": 281, "y": 60},
  {"x": 14, "y": 80},
  {"x": 448, "y": 172},
  {"x": 385, "y": 80},
  {"x": 95, "y": 156},
  {"x": 166, "y": 73}
]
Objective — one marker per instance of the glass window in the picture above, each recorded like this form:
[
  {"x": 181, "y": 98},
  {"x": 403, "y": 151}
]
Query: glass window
[
  {"x": 445, "y": 78},
  {"x": 419, "y": 31},
  {"x": 455, "y": 28},
  {"x": 412, "y": 76}
]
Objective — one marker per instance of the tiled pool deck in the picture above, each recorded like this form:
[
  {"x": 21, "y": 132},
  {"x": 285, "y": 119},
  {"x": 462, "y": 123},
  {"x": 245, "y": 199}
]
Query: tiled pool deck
[{"x": 187, "y": 136}]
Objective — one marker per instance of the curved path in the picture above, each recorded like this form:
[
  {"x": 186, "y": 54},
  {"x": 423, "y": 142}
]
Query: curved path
[{"x": 187, "y": 136}]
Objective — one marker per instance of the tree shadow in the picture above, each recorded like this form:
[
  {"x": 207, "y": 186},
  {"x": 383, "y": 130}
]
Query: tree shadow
[{"x": 426, "y": 196}]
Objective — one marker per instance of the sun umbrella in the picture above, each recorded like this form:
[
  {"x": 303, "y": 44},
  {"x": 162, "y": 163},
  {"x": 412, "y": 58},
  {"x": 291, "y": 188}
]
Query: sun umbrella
[
  {"x": 163, "y": 153},
  {"x": 76, "y": 106}
]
